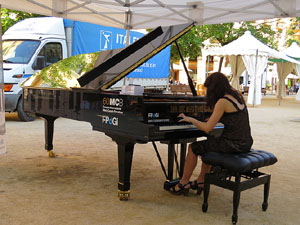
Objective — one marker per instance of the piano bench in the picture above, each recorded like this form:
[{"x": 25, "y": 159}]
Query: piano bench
[{"x": 243, "y": 168}]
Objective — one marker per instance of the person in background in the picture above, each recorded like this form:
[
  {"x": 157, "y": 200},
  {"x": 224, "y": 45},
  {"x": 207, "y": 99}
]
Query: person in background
[
  {"x": 230, "y": 109},
  {"x": 297, "y": 86}
]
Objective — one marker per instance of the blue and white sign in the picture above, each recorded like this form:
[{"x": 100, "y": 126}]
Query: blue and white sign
[
  {"x": 89, "y": 38},
  {"x": 105, "y": 40}
]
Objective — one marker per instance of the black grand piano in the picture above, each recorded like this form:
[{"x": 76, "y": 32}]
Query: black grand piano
[{"x": 126, "y": 118}]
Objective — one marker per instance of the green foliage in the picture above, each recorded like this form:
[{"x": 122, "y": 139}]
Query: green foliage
[
  {"x": 292, "y": 30},
  {"x": 10, "y": 17},
  {"x": 64, "y": 73},
  {"x": 191, "y": 43},
  {"x": 228, "y": 32}
]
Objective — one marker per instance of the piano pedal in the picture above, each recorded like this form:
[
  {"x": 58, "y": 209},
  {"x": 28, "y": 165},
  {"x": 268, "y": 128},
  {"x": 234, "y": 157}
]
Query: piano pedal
[
  {"x": 124, "y": 195},
  {"x": 170, "y": 183},
  {"x": 51, "y": 154}
]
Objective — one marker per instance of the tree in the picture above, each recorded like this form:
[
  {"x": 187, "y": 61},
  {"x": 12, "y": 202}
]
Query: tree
[
  {"x": 228, "y": 32},
  {"x": 292, "y": 31},
  {"x": 10, "y": 17},
  {"x": 223, "y": 34}
]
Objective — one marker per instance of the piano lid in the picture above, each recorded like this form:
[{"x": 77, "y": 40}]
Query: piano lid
[
  {"x": 64, "y": 73},
  {"x": 118, "y": 65}
]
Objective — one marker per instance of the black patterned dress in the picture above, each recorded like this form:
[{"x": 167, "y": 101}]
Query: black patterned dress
[{"x": 235, "y": 138}]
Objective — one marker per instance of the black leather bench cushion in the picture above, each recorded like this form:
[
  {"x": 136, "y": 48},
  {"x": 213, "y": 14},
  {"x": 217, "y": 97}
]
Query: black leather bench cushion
[{"x": 242, "y": 162}]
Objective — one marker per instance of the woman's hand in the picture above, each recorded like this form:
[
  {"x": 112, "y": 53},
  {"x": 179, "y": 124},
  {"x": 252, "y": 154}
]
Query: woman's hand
[{"x": 185, "y": 118}]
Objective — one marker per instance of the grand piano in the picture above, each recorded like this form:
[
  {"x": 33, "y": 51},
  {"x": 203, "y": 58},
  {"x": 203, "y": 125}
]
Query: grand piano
[{"x": 128, "y": 118}]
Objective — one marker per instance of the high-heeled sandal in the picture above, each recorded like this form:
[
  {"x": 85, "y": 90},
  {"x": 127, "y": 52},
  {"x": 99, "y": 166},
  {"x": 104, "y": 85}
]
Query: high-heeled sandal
[
  {"x": 195, "y": 185},
  {"x": 182, "y": 189}
]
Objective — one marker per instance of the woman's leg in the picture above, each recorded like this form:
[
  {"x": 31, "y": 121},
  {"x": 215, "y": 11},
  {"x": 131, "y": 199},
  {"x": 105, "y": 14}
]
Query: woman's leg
[
  {"x": 204, "y": 169},
  {"x": 189, "y": 166}
]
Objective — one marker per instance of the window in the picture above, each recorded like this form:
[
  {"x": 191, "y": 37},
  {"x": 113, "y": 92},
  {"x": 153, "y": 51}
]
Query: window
[
  {"x": 19, "y": 51},
  {"x": 52, "y": 53}
]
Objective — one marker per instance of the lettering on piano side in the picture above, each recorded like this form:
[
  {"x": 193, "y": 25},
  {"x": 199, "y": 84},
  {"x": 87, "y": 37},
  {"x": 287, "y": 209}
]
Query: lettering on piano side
[
  {"x": 113, "y": 102},
  {"x": 154, "y": 118},
  {"x": 114, "y": 121},
  {"x": 112, "y": 105},
  {"x": 153, "y": 115}
]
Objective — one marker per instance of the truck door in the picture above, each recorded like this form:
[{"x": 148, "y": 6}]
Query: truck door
[{"x": 52, "y": 53}]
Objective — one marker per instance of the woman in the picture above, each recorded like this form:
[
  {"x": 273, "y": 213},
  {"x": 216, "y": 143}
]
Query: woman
[{"x": 229, "y": 108}]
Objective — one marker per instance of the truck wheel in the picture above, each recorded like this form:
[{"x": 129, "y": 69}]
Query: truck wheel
[{"x": 24, "y": 116}]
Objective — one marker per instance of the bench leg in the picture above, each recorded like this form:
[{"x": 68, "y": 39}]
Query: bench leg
[
  {"x": 205, "y": 192},
  {"x": 236, "y": 199},
  {"x": 266, "y": 193}
]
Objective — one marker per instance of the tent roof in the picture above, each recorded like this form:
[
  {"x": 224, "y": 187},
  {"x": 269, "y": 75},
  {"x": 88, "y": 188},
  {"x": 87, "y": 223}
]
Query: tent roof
[
  {"x": 137, "y": 14},
  {"x": 247, "y": 44},
  {"x": 293, "y": 51}
]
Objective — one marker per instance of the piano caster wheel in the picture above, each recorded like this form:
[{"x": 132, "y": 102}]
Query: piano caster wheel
[
  {"x": 51, "y": 154},
  {"x": 124, "y": 195}
]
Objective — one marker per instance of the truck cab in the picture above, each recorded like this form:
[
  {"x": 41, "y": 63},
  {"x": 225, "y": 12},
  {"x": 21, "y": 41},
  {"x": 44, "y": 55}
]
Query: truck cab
[{"x": 28, "y": 47}]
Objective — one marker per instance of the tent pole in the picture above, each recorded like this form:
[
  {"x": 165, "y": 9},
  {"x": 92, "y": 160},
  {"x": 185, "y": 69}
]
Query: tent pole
[
  {"x": 128, "y": 27},
  {"x": 236, "y": 65},
  {"x": 2, "y": 106},
  {"x": 280, "y": 82},
  {"x": 254, "y": 96}
]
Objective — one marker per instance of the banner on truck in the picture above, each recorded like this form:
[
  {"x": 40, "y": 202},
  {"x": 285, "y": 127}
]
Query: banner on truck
[{"x": 85, "y": 41}]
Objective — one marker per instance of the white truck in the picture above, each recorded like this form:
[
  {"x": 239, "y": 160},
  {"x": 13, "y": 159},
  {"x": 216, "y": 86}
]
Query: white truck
[{"x": 35, "y": 43}]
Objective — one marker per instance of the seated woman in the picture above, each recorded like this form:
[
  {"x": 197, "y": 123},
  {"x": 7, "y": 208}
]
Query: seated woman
[{"x": 230, "y": 109}]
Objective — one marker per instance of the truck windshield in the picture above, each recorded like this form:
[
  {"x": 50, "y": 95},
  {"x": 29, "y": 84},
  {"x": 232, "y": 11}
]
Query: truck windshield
[{"x": 19, "y": 51}]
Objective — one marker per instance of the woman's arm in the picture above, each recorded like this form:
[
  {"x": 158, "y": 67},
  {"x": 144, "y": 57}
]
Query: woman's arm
[{"x": 212, "y": 121}]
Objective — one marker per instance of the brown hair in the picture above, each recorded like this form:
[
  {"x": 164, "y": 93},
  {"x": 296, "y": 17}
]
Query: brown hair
[{"x": 217, "y": 85}]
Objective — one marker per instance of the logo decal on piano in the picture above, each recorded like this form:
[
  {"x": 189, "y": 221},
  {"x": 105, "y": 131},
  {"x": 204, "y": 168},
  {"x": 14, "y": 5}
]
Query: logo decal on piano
[
  {"x": 154, "y": 118},
  {"x": 118, "y": 102},
  {"x": 112, "y": 105},
  {"x": 105, "y": 40},
  {"x": 114, "y": 121},
  {"x": 153, "y": 115}
]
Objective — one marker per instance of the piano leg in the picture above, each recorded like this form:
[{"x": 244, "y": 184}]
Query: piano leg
[
  {"x": 171, "y": 156},
  {"x": 182, "y": 158},
  {"x": 49, "y": 130},
  {"x": 125, "y": 152}
]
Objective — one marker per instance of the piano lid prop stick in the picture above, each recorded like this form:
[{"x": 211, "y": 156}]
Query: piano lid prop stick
[
  {"x": 176, "y": 161},
  {"x": 159, "y": 159},
  {"x": 192, "y": 87}
]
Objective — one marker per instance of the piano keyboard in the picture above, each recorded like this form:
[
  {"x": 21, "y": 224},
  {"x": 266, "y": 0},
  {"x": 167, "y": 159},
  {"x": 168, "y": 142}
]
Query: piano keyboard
[
  {"x": 184, "y": 126},
  {"x": 177, "y": 127}
]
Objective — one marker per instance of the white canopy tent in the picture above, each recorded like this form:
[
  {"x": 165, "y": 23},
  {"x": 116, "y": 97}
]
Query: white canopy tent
[
  {"x": 294, "y": 51},
  {"x": 246, "y": 52},
  {"x": 141, "y": 14}
]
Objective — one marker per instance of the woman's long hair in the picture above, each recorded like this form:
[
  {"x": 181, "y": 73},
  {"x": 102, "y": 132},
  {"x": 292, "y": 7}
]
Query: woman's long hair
[{"x": 217, "y": 85}]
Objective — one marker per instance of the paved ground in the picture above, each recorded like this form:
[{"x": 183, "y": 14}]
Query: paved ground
[{"x": 80, "y": 186}]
